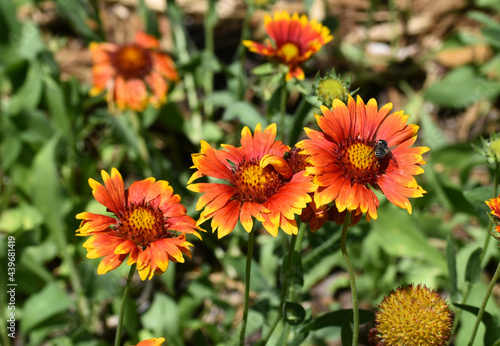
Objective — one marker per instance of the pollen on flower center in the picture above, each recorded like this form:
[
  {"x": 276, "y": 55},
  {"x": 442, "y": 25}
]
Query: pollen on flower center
[
  {"x": 358, "y": 162},
  {"x": 289, "y": 51},
  {"x": 255, "y": 184},
  {"x": 132, "y": 61},
  {"x": 142, "y": 224}
]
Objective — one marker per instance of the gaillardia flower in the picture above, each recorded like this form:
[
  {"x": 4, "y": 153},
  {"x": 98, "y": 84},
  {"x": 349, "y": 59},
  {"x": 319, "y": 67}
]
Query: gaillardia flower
[
  {"x": 295, "y": 39},
  {"x": 134, "y": 75},
  {"x": 151, "y": 342},
  {"x": 257, "y": 182},
  {"x": 412, "y": 316},
  {"x": 361, "y": 147},
  {"x": 150, "y": 225}
]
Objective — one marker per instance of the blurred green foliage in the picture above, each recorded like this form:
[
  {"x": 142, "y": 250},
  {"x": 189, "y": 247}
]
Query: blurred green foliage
[{"x": 53, "y": 137}]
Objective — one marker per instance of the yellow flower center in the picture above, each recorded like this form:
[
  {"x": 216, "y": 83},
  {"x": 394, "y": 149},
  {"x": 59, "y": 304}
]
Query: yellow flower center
[
  {"x": 142, "y": 224},
  {"x": 132, "y": 61},
  {"x": 413, "y": 315},
  {"x": 255, "y": 184},
  {"x": 358, "y": 162},
  {"x": 289, "y": 51}
]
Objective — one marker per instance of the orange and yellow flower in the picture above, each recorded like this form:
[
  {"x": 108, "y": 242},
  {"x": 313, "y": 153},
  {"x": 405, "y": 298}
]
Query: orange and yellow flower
[
  {"x": 346, "y": 165},
  {"x": 150, "y": 225},
  {"x": 151, "y": 342},
  {"x": 134, "y": 75},
  {"x": 494, "y": 205},
  {"x": 257, "y": 182},
  {"x": 295, "y": 39}
]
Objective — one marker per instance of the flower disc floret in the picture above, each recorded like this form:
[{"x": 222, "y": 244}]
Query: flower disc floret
[
  {"x": 149, "y": 225},
  {"x": 257, "y": 182},
  {"x": 412, "y": 316}
]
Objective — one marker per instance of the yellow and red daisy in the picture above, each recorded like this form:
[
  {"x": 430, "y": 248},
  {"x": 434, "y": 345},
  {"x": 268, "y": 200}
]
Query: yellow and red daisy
[
  {"x": 134, "y": 75},
  {"x": 295, "y": 39},
  {"x": 346, "y": 160},
  {"x": 150, "y": 225},
  {"x": 257, "y": 182}
]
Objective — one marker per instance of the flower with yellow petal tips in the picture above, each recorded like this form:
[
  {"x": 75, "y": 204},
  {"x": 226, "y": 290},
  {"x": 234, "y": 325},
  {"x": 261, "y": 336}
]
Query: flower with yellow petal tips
[
  {"x": 150, "y": 225},
  {"x": 346, "y": 163},
  {"x": 134, "y": 75},
  {"x": 151, "y": 342},
  {"x": 494, "y": 205},
  {"x": 256, "y": 182},
  {"x": 412, "y": 316},
  {"x": 294, "y": 40}
]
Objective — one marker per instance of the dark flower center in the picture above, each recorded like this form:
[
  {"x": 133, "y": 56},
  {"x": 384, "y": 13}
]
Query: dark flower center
[
  {"x": 132, "y": 61},
  {"x": 358, "y": 162},
  {"x": 142, "y": 224},
  {"x": 255, "y": 184}
]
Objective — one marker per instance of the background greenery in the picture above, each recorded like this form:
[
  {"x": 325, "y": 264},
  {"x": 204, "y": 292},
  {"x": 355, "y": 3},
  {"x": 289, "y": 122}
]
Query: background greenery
[{"x": 53, "y": 137}]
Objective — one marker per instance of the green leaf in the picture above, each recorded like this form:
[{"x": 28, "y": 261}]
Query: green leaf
[
  {"x": 296, "y": 269},
  {"x": 264, "y": 69},
  {"x": 335, "y": 318},
  {"x": 346, "y": 332},
  {"x": 29, "y": 94},
  {"x": 473, "y": 269},
  {"x": 41, "y": 306},
  {"x": 77, "y": 16},
  {"x": 293, "y": 313},
  {"x": 25, "y": 217},
  {"x": 477, "y": 198},
  {"x": 462, "y": 87},
  {"x": 493, "y": 4},
  {"x": 451, "y": 260},
  {"x": 483, "y": 18},
  {"x": 492, "y": 333},
  {"x": 246, "y": 113},
  {"x": 163, "y": 316}
]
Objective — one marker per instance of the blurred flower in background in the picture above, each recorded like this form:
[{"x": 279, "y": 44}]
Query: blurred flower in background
[
  {"x": 412, "y": 315},
  {"x": 294, "y": 40},
  {"x": 346, "y": 159},
  {"x": 150, "y": 225},
  {"x": 151, "y": 342},
  {"x": 258, "y": 182},
  {"x": 133, "y": 75}
]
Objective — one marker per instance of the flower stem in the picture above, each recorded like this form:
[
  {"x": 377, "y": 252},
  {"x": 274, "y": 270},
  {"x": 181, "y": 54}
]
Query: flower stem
[
  {"x": 248, "y": 268},
  {"x": 352, "y": 280},
  {"x": 480, "y": 314},
  {"x": 122, "y": 306},
  {"x": 485, "y": 246},
  {"x": 283, "y": 109},
  {"x": 287, "y": 280}
]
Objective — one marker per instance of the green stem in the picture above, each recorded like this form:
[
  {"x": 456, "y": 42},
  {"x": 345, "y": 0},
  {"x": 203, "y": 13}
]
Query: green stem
[
  {"x": 248, "y": 268},
  {"x": 480, "y": 314},
  {"x": 283, "y": 109},
  {"x": 180, "y": 39},
  {"x": 208, "y": 84},
  {"x": 286, "y": 280},
  {"x": 122, "y": 306},
  {"x": 495, "y": 195},
  {"x": 485, "y": 246},
  {"x": 352, "y": 280},
  {"x": 100, "y": 26}
]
